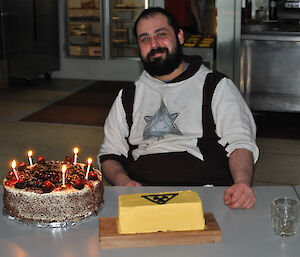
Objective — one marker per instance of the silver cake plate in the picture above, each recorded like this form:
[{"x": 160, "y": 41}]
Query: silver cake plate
[{"x": 36, "y": 224}]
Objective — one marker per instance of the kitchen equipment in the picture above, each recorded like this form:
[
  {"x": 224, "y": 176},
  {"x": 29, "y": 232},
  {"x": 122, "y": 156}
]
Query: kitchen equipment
[
  {"x": 292, "y": 4},
  {"x": 246, "y": 10},
  {"x": 289, "y": 10},
  {"x": 260, "y": 14},
  {"x": 29, "y": 37},
  {"x": 270, "y": 75},
  {"x": 273, "y": 10}
]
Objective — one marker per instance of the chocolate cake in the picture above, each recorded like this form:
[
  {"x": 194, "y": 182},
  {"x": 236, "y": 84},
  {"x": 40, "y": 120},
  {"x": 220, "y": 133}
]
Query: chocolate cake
[{"x": 42, "y": 195}]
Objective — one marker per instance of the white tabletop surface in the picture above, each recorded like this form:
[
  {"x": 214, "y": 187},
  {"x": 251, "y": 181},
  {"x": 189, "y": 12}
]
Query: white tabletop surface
[
  {"x": 246, "y": 233},
  {"x": 297, "y": 188}
]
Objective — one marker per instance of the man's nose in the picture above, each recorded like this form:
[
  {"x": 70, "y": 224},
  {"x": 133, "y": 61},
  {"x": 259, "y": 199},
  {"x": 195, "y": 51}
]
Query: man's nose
[{"x": 153, "y": 42}]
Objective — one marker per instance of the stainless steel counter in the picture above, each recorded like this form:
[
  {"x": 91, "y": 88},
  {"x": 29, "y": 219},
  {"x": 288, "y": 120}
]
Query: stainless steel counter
[
  {"x": 270, "y": 27},
  {"x": 270, "y": 74},
  {"x": 274, "y": 36}
]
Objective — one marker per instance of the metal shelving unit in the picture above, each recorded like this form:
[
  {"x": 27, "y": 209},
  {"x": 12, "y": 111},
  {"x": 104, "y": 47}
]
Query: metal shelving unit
[
  {"x": 123, "y": 14},
  {"x": 84, "y": 28}
]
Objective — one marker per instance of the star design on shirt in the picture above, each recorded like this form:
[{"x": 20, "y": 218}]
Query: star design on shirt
[{"x": 161, "y": 124}]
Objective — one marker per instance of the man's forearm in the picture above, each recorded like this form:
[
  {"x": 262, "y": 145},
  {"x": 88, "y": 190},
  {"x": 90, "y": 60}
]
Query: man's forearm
[
  {"x": 115, "y": 173},
  {"x": 240, "y": 194},
  {"x": 241, "y": 166}
]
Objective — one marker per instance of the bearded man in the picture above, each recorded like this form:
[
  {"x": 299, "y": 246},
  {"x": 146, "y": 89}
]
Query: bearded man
[{"x": 180, "y": 123}]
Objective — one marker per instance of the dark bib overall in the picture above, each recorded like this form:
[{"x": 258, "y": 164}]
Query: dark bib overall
[{"x": 182, "y": 168}]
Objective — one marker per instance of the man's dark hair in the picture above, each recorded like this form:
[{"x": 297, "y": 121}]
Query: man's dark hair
[{"x": 152, "y": 11}]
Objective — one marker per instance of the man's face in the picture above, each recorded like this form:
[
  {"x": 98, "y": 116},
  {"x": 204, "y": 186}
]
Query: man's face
[{"x": 160, "y": 48}]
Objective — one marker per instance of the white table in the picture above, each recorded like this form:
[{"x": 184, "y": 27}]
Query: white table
[
  {"x": 297, "y": 189},
  {"x": 246, "y": 233}
]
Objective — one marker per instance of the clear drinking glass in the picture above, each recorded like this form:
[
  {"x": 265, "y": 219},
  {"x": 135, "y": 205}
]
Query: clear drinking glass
[{"x": 285, "y": 216}]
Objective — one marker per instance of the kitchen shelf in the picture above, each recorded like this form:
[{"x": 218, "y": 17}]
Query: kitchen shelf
[
  {"x": 83, "y": 29},
  {"x": 123, "y": 15}
]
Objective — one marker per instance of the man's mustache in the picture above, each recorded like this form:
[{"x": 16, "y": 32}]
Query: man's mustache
[{"x": 158, "y": 50}]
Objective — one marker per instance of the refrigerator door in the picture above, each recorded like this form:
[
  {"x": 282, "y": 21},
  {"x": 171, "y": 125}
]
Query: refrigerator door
[{"x": 31, "y": 37}]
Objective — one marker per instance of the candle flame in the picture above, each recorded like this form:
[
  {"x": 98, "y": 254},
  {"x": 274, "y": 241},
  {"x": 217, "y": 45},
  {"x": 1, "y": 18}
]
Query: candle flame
[
  {"x": 90, "y": 160},
  {"x": 29, "y": 153},
  {"x": 13, "y": 164},
  {"x": 64, "y": 168},
  {"x": 76, "y": 150}
]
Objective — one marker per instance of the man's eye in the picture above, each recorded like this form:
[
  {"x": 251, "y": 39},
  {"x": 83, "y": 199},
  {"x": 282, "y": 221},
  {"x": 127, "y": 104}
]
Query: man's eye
[
  {"x": 144, "y": 39},
  {"x": 161, "y": 35}
]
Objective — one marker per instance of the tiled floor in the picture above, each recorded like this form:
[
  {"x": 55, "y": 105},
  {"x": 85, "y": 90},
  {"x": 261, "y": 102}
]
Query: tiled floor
[{"x": 279, "y": 162}]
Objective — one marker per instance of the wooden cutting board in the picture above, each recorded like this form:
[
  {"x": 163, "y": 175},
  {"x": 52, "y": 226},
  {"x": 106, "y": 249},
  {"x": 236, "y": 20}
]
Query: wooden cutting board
[{"x": 110, "y": 238}]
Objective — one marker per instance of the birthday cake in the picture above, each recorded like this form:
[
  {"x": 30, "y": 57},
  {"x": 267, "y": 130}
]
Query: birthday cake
[
  {"x": 42, "y": 193},
  {"x": 170, "y": 211}
]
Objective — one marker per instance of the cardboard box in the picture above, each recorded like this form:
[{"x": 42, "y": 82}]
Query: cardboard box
[{"x": 94, "y": 51}]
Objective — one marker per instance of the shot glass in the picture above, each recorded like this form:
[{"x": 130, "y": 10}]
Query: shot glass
[{"x": 285, "y": 216}]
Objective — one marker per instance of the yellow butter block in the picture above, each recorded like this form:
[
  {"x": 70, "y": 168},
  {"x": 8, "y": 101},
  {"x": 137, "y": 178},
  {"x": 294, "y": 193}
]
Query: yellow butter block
[{"x": 168, "y": 211}]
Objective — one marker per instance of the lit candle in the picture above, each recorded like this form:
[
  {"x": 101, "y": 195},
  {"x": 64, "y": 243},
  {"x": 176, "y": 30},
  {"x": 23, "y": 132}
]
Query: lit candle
[
  {"x": 63, "y": 170},
  {"x": 88, "y": 168},
  {"x": 30, "y": 158},
  {"x": 13, "y": 165},
  {"x": 75, "y": 155}
]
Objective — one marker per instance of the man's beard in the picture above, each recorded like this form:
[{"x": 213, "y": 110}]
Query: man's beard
[{"x": 159, "y": 66}]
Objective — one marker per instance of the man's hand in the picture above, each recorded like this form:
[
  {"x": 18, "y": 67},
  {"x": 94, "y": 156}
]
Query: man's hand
[
  {"x": 128, "y": 182},
  {"x": 239, "y": 195}
]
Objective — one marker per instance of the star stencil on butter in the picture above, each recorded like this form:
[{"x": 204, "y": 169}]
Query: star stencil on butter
[{"x": 161, "y": 124}]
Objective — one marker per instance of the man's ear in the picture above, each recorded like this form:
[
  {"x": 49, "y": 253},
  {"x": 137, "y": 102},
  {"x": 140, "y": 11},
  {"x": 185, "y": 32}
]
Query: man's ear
[{"x": 180, "y": 36}]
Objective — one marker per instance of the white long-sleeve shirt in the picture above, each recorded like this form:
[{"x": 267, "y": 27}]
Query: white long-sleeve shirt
[{"x": 234, "y": 122}]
